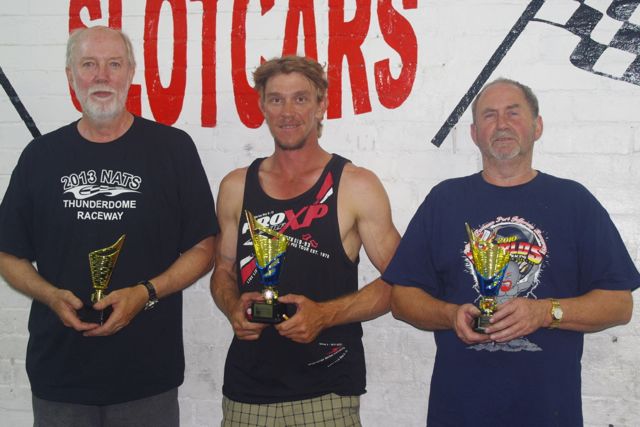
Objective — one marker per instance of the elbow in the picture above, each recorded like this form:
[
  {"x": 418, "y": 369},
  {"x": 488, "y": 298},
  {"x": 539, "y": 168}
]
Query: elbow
[
  {"x": 208, "y": 249},
  {"x": 210, "y": 264},
  {"x": 628, "y": 310},
  {"x": 385, "y": 299},
  {"x": 396, "y": 307},
  {"x": 624, "y": 308}
]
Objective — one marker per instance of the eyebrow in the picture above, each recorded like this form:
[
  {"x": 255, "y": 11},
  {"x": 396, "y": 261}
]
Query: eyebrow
[
  {"x": 111, "y": 58},
  {"x": 298, "y": 93},
  {"x": 509, "y": 107}
]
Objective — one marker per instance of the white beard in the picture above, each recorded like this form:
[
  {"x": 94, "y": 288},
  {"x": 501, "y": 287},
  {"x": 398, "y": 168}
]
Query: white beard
[{"x": 101, "y": 111}]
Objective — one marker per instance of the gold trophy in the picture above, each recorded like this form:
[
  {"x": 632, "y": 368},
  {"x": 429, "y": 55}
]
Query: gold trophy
[
  {"x": 270, "y": 247},
  {"x": 490, "y": 264},
  {"x": 101, "y": 265}
]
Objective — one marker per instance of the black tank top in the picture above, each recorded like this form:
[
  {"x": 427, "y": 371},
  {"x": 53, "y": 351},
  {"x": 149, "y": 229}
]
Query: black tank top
[{"x": 273, "y": 368}]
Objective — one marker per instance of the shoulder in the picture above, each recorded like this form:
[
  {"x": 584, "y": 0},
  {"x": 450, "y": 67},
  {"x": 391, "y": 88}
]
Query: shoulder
[
  {"x": 232, "y": 187},
  {"x": 161, "y": 133},
  {"x": 235, "y": 179},
  {"x": 357, "y": 178},
  {"x": 360, "y": 189},
  {"x": 230, "y": 197},
  {"x": 563, "y": 183},
  {"x": 565, "y": 189},
  {"x": 454, "y": 188},
  {"x": 50, "y": 143},
  {"x": 166, "y": 143}
]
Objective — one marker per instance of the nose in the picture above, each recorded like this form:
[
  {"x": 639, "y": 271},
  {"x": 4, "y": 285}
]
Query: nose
[
  {"x": 501, "y": 121},
  {"x": 102, "y": 73},
  {"x": 287, "y": 107}
]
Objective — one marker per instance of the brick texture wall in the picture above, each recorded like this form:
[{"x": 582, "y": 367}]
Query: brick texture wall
[{"x": 592, "y": 135}]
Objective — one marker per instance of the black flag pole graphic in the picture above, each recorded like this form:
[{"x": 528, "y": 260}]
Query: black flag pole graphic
[
  {"x": 20, "y": 108},
  {"x": 531, "y": 10}
]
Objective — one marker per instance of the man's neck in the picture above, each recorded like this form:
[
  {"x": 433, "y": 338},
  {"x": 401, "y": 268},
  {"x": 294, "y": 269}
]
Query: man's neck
[
  {"x": 292, "y": 163},
  {"x": 289, "y": 173},
  {"x": 103, "y": 132},
  {"x": 508, "y": 175}
]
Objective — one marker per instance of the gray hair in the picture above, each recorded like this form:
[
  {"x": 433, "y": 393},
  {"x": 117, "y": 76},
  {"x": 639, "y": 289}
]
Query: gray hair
[
  {"x": 529, "y": 96},
  {"x": 77, "y": 35}
]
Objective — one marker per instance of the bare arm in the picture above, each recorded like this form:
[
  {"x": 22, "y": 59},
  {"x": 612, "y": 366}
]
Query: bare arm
[
  {"x": 365, "y": 219},
  {"x": 23, "y": 277},
  {"x": 594, "y": 311},
  {"x": 418, "y": 308},
  {"x": 128, "y": 302},
  {"x": 224, "y": 288}
]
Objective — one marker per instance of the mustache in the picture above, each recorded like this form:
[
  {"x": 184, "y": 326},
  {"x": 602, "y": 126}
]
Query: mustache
[
  {"x": 100, "y": 88},
  {"x": 502, "y": 134}
]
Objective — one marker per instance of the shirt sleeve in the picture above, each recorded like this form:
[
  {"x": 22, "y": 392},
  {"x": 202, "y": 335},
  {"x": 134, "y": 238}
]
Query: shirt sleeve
[
  {"x": 412, "y": 264},
  {"x": 604, "y": 260},
  {"x": 198, "y": 216},
  {"x": 16, "y": 211}
]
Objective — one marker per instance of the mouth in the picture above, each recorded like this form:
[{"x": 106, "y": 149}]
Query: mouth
[
  {"x": 288, "y": 126},
  {"x": 101, "y": 93},
  {"x": 503, "y": 138}
]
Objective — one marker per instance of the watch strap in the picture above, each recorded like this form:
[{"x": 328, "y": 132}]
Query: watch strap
[
  {"x": 153, "y": 297},
  {"x": 556, "y": 313}
]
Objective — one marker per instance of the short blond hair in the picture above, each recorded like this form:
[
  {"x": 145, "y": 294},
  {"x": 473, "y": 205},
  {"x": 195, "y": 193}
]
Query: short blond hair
[{"x": 308, "y": 67}]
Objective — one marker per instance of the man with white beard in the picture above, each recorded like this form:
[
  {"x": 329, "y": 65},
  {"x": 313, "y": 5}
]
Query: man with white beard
[{"x": 117, "y": 201}]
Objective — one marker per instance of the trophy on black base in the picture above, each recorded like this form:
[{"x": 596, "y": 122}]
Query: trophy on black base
[
  {"x": 270, "y": 248},
  {"x": 489, "y": 263},
  {"x": 101, "y": 264}
]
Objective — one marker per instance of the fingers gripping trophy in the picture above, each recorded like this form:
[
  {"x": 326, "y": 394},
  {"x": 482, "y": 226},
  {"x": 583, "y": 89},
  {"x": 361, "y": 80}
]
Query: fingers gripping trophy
[
  {"x": 270, "y": 248},
  {"x": 101, "y": 265},
  {"x": 489, "y": 263}
]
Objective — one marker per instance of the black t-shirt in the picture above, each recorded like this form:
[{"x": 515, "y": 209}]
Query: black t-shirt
[
  {"x": 68, "y": 197},
  {"x": 274, "y": 368}
]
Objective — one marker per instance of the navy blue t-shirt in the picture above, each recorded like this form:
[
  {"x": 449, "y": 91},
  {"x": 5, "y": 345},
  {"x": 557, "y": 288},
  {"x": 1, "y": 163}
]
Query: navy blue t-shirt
[{"x": 562, "y": 244}]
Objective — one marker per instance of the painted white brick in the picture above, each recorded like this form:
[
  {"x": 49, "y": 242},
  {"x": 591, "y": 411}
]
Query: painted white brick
[{"x": 592, "y": 135}]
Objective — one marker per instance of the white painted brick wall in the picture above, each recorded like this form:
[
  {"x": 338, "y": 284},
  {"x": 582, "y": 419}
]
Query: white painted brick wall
[{"x": 592, "y": 135}]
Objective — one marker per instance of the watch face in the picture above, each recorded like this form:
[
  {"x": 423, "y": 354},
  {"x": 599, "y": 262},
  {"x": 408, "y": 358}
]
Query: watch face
[
  {"x": 150, "y": 304},
  {"x": 557, "y": 313}
]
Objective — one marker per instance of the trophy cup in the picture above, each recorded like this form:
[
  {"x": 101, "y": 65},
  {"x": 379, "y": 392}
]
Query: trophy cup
[
  {"x": 489, "y": 263},
  {"x": 270, "y": 247},
  {"x": 101, "y": 264}
]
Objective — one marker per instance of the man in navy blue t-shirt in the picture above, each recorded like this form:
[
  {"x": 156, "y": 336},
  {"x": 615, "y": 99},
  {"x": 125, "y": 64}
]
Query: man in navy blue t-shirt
[{"x": 566, "y": 272}]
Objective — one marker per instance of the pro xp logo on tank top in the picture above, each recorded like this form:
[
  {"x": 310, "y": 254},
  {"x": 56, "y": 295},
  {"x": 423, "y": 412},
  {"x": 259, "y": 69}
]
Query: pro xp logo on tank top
[
  {"x": 528, "y": 250},
  {"x": 99, "y": 195},
  {"x": 288, "y": 221}
]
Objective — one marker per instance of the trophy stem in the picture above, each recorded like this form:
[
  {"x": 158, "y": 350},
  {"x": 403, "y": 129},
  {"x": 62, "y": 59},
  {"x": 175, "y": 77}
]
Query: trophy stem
[
  {"x": 487, "y": 306},
  {"x": 97, "y": 295},
  {"x": 270, "y": 294}
]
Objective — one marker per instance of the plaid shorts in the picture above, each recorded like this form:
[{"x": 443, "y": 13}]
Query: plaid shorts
[{"x": 329, "y": 410}]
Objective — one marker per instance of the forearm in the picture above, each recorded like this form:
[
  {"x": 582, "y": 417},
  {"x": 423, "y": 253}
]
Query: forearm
[
  {"x": 224, "y": 291},
  {"x": 416, "y": 307},
  {"x": 23, "y": 277},
  {"x": 371, "y": 301},
  {"x": 188, "y": 268},
  {"x": 594, "y": 311}
]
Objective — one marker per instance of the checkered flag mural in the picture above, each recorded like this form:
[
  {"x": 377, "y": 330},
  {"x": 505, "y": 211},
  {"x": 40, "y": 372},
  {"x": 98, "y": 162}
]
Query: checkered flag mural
[{"x": 609, "y": 43}]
